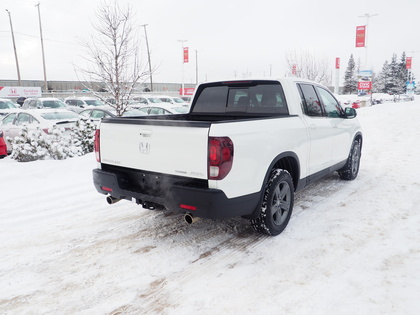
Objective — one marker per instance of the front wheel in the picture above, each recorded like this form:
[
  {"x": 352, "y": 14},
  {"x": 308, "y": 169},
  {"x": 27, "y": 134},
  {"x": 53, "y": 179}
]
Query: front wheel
[
  {"x": 277, "y": 204},
  {"x": 351, "y": 169}
]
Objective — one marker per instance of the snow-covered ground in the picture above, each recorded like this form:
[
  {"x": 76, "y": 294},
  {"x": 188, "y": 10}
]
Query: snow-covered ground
[{"x": 350, "y": 247}]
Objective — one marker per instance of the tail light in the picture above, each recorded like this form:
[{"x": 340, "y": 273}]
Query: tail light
[
  {"x": 220, "y": 157},
  {"x": 97, "y": 146}
]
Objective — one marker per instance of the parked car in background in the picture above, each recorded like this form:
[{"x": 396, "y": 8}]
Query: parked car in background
[
  {"x": 13, "y": 123},
  {"x": 164, "y": 109},
  {"x": 3, "y": 146},
  {"x": 356, "y": 104},
  {"x": 44, "y": 102},
  {"x": 77, "y": 104},
  {"x": 186, "y": 99},
  {"x": 173, "y": 100},
  {"x": 147, "y": 100},
  {"x": 406, "y": 97},
  {"x": 5, "y": 106},
  {"x": 96, "y": 114}
]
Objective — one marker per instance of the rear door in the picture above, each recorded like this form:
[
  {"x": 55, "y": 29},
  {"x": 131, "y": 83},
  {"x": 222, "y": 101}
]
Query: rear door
[
  {"x": 320, "y": 129},
  {"x": 342, "y": 129}
]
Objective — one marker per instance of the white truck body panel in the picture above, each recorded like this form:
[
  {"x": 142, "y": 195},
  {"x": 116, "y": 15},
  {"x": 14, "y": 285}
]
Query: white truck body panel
[{"x": 173, "y": 150}]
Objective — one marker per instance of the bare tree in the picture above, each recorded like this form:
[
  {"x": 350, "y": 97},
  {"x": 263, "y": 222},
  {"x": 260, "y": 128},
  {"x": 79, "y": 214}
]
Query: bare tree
[
  {"x": 306, "y": 65},
  {"x": 113, "y": 55}
]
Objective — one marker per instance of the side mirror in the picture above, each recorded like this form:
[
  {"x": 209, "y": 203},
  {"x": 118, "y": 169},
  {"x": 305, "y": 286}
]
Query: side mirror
[{"x": 350, "y": 112}]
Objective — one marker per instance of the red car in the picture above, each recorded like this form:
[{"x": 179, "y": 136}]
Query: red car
[{"x": 3, "y": 147}]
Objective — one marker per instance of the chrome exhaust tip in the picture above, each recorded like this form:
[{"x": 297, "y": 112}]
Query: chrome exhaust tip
[
  {"x": 111, "y": 200},
  {"x": 190, "y": 219}
]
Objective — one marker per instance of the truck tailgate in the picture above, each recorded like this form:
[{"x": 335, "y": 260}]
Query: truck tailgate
[{"x": 168, "y": 147}]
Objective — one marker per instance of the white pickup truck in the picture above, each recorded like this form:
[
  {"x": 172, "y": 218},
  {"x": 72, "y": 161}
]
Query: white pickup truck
[{"x": 244, "y": 149}]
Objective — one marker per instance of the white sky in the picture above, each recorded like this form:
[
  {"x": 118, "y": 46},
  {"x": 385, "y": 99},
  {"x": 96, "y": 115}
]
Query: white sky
[{"x": 232, "y": 38}]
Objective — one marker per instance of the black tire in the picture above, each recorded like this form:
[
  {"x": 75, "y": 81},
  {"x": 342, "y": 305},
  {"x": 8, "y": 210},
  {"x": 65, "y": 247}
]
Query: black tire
[
  {"x": 277, "y": 204},
  {"x": 351, "y": 169}
]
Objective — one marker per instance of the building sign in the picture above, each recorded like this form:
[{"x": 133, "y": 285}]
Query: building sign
[
  {"x": 185, "y": 54},
  {"x": 187, "y": 91},
  {"x": 364, "y": 85},
  {"x": 337, "y": 63},
  {"x": 364, "y": 80},
  {"x": 360, "y": 36},
  {"x": 408, "y": 62},
  {"x": 18, "y": 91},
  {"x": 410, "y": 86}
]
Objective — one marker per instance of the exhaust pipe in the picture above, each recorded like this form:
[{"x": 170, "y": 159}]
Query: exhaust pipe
[
  {"x": 111, "y": 200},
  {"x": 190, "y": 219}
]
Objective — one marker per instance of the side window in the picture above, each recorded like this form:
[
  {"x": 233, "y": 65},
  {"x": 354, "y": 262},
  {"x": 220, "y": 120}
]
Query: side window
[
  {"x": 310, "y": 102},
  {"x": 9, "y": 119},
  {"x": 85, "y": 114},
  {"x": 331, "y": 106},
  {"x": 144, "y": 110},
  {"x": 22, "y": 119},
  {"x": 156, "y": 111},
  {"x": 97, "y": 114}
]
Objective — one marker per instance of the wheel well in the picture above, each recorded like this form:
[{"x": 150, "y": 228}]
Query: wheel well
[{"x": 290, "y": 164}]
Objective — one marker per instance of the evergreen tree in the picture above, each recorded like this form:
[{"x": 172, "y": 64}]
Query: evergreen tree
[
  {"x": 403, "y": 73},
  {"x": 83, "y": 135},
  {"x": 350, "y": 77},
  {"x": 392, "y": 82}
]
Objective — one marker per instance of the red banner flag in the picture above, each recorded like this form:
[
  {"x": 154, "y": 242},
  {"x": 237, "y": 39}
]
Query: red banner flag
[
  {"x": 408, "y": 62},
  {"x": 360, "y": 36},
  {"x": 185, "y": 54},
  {"x": 337, "y": 63}
]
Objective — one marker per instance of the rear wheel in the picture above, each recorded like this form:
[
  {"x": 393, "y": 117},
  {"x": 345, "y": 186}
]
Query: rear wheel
[
  {"x": 277, "y": 204},
  {"x": 351, "y": 169}
]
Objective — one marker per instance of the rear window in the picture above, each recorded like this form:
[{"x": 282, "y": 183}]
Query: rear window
[
  {"x": 60, "y": 116},
  {"x": 265, "y": 97}
]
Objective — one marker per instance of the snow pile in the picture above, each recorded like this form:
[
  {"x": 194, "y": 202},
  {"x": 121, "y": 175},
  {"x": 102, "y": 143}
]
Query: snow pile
[{"x": 350, "y": 247}]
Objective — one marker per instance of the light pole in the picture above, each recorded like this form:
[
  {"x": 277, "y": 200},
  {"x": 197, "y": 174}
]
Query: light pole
[
  {"x": 196, "y": 66},
  {"x": 182, "y": 85},
  {"x": 42, "y": 47},
  {"x": 367, "y": 16},
  {"x": 14, "y": 48},
  {"x": 148, "y": 55}
]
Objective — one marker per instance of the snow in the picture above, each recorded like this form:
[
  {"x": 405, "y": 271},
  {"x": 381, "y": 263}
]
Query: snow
[{"x": 350, "y": 247}]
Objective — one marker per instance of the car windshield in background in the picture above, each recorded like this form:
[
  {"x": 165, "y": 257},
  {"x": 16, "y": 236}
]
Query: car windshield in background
[
  {"x": 60, "y": 116},
  {"x": 53, "y": 104},
  {"x": 154, "y": 100},
  {"x": 6, "y": 105},
  {"x": 94, "y": 102}
]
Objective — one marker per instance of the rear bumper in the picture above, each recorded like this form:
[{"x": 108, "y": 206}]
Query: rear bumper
[{"x": 207, "y": 202}]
